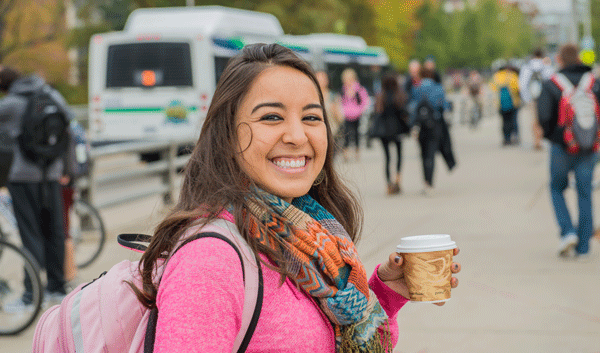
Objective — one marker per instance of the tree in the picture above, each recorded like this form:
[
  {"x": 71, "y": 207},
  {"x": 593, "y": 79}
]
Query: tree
[
  {"x": 473, "y": 37},
  {"x": 32, "y": 35},
  {"x": 395, "y": 28}
]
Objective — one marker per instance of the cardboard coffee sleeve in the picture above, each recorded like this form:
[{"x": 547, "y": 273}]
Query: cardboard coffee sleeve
[{"x": 427, "y": 266}]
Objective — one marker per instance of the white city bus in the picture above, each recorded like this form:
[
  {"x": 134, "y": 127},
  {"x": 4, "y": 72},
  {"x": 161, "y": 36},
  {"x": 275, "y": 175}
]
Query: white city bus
[
  {"x": 155, "y": 79},
  {"x": 335, "y": 52}
]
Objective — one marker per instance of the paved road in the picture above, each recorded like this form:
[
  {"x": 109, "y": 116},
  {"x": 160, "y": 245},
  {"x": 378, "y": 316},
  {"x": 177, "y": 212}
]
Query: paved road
[{"x": 514, "y": 295}]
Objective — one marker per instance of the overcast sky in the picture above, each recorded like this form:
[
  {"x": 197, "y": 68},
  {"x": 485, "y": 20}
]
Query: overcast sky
[{"x": 553, "y": 5}]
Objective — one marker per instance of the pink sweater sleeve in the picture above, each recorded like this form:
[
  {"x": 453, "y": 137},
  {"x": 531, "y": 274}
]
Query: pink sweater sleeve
[
  {"x": 200, "y": 299},
  {"x": 390, "y": 301}
]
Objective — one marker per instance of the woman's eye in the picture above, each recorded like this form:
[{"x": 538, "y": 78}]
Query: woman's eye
[
  {"x": 270, "y": 117},
  {"x": 313, "y": 118}
]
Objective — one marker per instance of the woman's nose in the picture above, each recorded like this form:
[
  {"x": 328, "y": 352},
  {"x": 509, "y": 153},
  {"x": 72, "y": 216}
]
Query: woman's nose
[{"x": 294, "y": 133}]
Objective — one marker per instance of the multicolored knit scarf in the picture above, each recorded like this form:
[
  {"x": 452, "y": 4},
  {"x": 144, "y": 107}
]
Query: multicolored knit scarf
[{"x": 325, "y": 264}]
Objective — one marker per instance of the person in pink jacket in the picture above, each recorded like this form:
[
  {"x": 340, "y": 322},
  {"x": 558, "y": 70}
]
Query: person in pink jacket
[
  {"x": 355, "y": 101},
  {"x": 264, "y": 161}
]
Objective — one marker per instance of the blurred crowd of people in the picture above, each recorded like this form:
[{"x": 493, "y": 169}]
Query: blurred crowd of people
[
  {"x": 560, "y": 93},
  {"x": 414, "y": 104}
]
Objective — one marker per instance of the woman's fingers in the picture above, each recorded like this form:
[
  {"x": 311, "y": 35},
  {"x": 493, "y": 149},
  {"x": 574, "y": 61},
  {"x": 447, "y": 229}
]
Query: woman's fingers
[
  {"x": 392, "y": 269},
  {"x": 456, "y": 251},
  {"x": 454, "y": 282},
  {"x": 395, "y": 258},
  {"x": 455, "y": 267}
]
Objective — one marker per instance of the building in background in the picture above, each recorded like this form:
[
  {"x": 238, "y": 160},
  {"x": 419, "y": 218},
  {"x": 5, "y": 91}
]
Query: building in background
[{"x": 555, "y": 28}]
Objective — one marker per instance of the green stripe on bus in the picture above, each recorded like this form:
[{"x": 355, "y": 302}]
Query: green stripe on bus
[{"x": 142, "y": 110}]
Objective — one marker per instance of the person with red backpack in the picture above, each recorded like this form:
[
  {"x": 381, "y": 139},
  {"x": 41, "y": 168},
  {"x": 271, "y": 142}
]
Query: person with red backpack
[{"x": 569, "y": 114}]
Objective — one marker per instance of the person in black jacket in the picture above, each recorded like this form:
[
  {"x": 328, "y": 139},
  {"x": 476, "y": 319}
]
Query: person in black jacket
[
  {"x": 391, "y": 121},
  {"x": 575, "y": 238}
]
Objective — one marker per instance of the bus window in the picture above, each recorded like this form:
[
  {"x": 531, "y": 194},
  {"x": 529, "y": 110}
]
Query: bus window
[
  {"x": 161, "y": 64},
  {"x": 220, "y": 64}
]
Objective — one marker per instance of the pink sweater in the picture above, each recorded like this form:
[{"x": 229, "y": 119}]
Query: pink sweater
[
  {"x": 352, "y": 110},
  {"x": 200, "y": 301}
]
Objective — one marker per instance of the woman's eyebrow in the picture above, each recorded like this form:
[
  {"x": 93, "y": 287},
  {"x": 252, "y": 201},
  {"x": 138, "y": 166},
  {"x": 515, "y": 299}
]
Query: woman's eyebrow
[
  {"x": 313, "y": 106},
  {"x": 269, "y": 104}
]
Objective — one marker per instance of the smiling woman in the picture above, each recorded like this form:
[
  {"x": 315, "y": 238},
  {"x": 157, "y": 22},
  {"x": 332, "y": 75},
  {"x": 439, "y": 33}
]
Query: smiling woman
[{"x": 263, "y": 165}]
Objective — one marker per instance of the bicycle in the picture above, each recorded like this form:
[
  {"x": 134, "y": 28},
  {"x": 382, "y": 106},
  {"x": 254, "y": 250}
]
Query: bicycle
[
  {"x": 85, "y": 226},
  {"x": 18, "y": 307},
  {"x": 87, "y": 232}
]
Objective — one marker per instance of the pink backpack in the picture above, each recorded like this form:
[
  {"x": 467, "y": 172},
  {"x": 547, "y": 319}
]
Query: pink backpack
[{"x": 106, "y": 316}]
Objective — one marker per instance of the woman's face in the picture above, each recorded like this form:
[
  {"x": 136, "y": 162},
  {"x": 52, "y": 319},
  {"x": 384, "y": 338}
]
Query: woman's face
[{"x": 281, "y": 132}]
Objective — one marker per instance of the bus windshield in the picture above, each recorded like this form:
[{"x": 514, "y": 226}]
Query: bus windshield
[{"x": 156, "y": 64}]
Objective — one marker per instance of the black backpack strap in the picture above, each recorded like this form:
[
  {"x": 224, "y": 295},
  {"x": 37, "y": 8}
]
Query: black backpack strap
[
  {"x": 152, "y": 320},
  {"x": 134, "y": 241}
]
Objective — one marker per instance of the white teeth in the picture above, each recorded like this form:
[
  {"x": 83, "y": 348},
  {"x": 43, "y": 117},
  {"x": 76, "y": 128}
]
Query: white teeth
[{"x": 297, "y": 163}]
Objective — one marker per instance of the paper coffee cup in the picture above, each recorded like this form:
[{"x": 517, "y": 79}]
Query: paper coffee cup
[{"x": 426, "y": 266}]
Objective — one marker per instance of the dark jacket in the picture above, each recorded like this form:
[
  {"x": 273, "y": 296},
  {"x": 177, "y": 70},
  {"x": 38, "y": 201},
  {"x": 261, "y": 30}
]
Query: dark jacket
[
  {"x": 12, "y": 108},
  {"x": 549, "y": 99}
]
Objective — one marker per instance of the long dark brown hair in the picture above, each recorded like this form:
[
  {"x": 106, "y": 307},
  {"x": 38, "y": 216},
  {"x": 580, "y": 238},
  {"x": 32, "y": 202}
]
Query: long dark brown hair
[
  {"x": 214, "y": 180},
  {"x": 390, "y": 87}
]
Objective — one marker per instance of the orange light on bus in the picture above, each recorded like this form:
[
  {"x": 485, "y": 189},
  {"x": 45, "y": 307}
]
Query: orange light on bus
[{"x": 148, "y": 78}]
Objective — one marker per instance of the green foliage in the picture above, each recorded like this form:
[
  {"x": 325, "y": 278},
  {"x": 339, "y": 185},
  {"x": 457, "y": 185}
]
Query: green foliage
[
  {"x": 473, "y": 37},
  {"x": 74, "y": 95},
  {"x": 595, "y": 10}
]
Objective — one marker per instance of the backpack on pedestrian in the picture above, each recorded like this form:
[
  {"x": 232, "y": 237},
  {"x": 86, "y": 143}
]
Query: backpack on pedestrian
[
  {"x": 389, "y": 123},
  {"x": 578, "y": 113},
  {"x": 535, "y": 84},
  {"x": 427, "y": 116},
  {"x": 105, "y": 315},
  {"x": 44, "y": 128},
  {"x": 506, "y": 101}
]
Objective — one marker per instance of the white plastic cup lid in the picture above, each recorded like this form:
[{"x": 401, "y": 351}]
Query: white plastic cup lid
[{"x": 425, "y": 243}]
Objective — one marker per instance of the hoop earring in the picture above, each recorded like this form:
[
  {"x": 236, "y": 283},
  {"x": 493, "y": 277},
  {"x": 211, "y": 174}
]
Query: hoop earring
[{"x": 319, "y": 178}]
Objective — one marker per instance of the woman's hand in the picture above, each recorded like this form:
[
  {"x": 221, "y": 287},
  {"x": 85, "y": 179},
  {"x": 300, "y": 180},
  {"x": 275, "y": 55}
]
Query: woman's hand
[{"x": 391, "y": 274}]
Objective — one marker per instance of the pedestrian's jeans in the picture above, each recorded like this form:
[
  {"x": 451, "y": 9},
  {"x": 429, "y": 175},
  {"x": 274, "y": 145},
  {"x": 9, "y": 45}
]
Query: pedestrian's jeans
[
  {"x": 510, "y": 125},
  {"x": 561, "y": 162}
]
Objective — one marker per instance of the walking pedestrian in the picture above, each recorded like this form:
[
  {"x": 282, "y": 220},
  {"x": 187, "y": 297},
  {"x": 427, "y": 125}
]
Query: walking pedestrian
[
  {"x": 531, "y": 77},
  {"x": 355, "y": 101},
  {"x": 390, "y": 122},
  {"x": 445, "y": 142},
  {"x": 426, "y": 110},
  {"x": 474, "y": 83},
  {"x": 430, "y": 64},
  {"x": 33, "y": 185},
  {"x": 505, "y": 83},
  {"x": 414, "y": 77},
  {"x": 556, "y": 118},
  {"x": 264, "y": 163}
]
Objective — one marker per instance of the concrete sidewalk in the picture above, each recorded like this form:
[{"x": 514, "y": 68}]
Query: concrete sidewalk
[{"x": 515, "y": 295}]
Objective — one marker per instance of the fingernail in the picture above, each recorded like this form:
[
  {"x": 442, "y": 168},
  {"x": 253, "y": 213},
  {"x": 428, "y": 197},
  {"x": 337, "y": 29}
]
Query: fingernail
[
  {"x": 397, "y": 259},
  {"x": 455, "y": 266}
]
